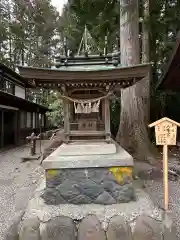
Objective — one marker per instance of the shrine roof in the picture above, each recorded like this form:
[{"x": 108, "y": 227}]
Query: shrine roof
[
  {"x": 85, "y": 74},
  {"x": 89, "y": 67},
  {"x": 169, "y": 79}
]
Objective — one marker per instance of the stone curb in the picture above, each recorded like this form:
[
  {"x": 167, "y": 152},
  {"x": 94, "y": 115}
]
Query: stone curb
[{"x": 89, "y": 228}]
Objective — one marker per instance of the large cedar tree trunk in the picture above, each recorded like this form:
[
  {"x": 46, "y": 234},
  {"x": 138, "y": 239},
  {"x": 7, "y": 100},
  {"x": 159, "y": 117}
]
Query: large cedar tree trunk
[
  {"x": 146, "y": 59},
  {"x": 132, "y": 134}
]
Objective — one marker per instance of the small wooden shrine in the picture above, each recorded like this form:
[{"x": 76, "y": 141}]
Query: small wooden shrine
[
  {"x": 91, "y": 159},
  {"x": 86, "y": 83}
]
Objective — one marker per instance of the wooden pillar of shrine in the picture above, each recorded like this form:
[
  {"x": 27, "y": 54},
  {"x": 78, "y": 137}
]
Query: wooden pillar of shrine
[
  {"x": 107, "y": 119},
  {"x": 66, "y": 118},
  {"x": 103, "y": 109}
]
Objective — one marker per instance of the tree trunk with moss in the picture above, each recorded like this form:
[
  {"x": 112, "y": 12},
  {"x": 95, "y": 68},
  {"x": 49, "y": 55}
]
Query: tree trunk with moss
[{"x": 133, "y": 134}]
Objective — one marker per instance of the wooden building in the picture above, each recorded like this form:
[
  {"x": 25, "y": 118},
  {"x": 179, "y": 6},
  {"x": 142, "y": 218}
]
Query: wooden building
[
  {"x": 170, "y": 76},
  {"x": 18, "y": 116},
  {"x": 86, "y": 83}
]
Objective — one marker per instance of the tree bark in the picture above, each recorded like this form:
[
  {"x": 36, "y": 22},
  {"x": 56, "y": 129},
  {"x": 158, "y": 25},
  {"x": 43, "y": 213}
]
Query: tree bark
[
  {"x": 145, "y": 33},
  {"x": 132, "y": 134},
  {"x": 146, "y": 59}
]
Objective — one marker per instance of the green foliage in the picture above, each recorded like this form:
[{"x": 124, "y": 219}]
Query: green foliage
[
  {"x": 28, "y": 36},
  {"x": 115, "y": 109},
  {"x": 32, "y": 32},
  {"x": 101, "y": 18},
  {"x": 55, "y": 115},
  {"x": 27, "y": 31}
]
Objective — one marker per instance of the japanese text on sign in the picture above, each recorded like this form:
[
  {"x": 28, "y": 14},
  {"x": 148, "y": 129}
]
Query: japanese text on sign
[{"x": 166, "y": 133}]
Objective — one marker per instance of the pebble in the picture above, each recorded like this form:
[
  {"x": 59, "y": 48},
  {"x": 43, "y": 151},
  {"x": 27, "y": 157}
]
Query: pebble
[
  {"x": 16, "y": 186},
  {"x": 155, "y": 190}
]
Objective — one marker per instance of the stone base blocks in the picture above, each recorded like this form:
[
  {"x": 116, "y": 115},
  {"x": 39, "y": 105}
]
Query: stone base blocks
[
  {"x": 86, "y": 173},
  {"x": 90, "y": 196},
  {"x": 136, "y": 220},
  {"x": 89, "y": 228},
  {"x": 89, "y": 185}
]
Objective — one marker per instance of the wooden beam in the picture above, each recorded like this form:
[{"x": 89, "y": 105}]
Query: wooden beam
[
  {"x": 66, "y": 117},
  {"x": 107, "y": 119},
  {"x": 102, "y": 90},
  {"x": 87, "y": 133},
  {"x": 103, "y": 109},
  {"x": 86, "y": 96}
]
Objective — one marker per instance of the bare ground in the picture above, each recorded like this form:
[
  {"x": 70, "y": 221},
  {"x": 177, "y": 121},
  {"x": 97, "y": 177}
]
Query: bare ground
[
  {"x": 18, "y": 180},
  {"x": 155, "y": 189}
]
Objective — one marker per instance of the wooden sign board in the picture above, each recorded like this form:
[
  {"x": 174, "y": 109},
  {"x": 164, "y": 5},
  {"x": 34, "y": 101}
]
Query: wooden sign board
[
  {"x": 165, "y": 131},
  {"x": 87, "y": 125}
]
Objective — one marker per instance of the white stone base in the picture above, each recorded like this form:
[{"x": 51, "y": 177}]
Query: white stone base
[
  {"x": 79, "y": 149},
  {"x": 90, "y": 155}
]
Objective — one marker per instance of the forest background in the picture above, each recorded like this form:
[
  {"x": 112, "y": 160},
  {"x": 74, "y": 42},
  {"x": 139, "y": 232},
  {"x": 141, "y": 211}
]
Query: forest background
[{"x": 32, "y": 33}]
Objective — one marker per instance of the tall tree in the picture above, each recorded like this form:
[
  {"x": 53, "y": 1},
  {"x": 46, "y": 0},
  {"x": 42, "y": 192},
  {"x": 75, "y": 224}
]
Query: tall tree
[
  {"x": 28, "y": 31},
  {"x": 145, "y": 59},
  {"x": 5, "y": 36},
  {"x": 132, "y": 133},
  {"x": 101, "y": 18},
  {"x": 145, "y": 32}
]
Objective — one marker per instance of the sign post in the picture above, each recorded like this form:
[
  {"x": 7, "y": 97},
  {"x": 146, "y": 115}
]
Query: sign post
[
  {"x": 165, "y": 176},
  {"x": 165, "y": 132}
]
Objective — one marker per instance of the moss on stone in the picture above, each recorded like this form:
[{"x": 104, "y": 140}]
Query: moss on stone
[
  {"x": 120, "y": 173},
  {"x": 51, "y": 173}
]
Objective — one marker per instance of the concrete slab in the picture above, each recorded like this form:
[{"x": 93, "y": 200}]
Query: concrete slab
[
  {"x": 79, "y": 149},
  {"x": 58, "y": 161},
  {"x": 31, "y": 158}
]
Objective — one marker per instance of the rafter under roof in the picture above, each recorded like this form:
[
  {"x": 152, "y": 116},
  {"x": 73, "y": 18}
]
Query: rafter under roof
[{"x": 125, "y": 76}]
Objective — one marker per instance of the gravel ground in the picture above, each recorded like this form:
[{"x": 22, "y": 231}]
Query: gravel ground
[
  {"x": 18, "y": 180},
  {"x": 155, "y": 190}
]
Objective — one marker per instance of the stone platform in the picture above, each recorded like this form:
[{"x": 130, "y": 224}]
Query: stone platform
[
  {"x": 138, "y": 220},
  {"x": 79, "y": 177},
  {"x": 104, "y": 214},
  {"x": 64, "y": 158},
  {"x": 130, "y": 211},
  {"x": 86, "y": 148}
]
